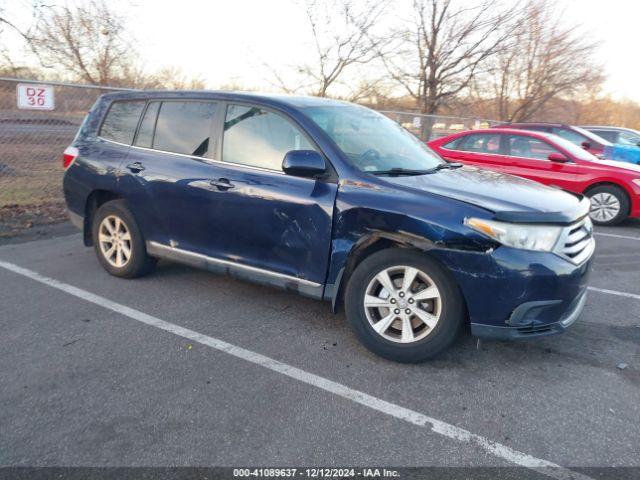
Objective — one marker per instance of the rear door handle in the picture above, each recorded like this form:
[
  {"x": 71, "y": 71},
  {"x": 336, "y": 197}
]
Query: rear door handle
[
  {"x": 135, "y": 167},
  {"x": 222, "y": 184}
]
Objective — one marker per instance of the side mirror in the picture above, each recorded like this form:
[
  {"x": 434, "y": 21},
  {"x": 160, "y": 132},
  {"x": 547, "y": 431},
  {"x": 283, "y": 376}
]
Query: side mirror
[
  {"x": 557, "y": 157},
  {"x": 586, "y": 145},
  {"x": 303, "y": 163}
]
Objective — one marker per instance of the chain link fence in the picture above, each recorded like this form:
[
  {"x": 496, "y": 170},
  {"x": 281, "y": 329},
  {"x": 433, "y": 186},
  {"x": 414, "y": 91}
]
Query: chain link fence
[
  {"x": 32, "y": 142},
  {"x": 31, "y": 146},
  {"x": 430, "y": 127}
]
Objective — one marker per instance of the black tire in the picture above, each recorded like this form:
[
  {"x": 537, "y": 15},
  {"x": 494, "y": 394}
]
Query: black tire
[
  {"x": 619, "y": 195},
  {"x": 139, "y": 262},
  {"x": 452, "y": 313}
]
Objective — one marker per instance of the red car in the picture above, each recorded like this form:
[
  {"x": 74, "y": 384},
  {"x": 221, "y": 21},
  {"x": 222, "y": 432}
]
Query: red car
[
  {"x": 576, "y": 135},
  {"x": 613, "y": 187}
]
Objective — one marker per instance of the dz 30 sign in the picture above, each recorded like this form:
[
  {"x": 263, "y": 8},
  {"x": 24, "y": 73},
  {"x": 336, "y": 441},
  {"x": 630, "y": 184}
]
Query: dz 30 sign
[{"x": 35, "y": 97}]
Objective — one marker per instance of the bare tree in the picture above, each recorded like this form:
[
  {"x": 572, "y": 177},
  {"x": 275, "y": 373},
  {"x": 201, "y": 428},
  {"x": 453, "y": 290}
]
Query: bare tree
[
  {"x": 544, "y": 60},
  {"x": 167, "y": 78},
  {"x": 446, "y": 43},
  {"x": 87, "y": 42},
  {"x": 343, "y": 37},
  {"x": 11, "y": 63},
  {"x": 6, "y": 23}
]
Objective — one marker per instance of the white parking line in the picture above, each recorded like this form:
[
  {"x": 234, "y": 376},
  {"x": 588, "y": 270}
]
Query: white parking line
[
  {"x": 626, "y": 237},
  {"x": 614, "y": 292},
  {"x": 451, "y": 431}
]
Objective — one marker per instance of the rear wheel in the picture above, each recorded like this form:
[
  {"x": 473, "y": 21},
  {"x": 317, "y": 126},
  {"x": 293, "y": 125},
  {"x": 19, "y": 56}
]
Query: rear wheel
[
  {"x": 403, "y": 306},
  {"x": 609, "y": 205},
  {"x": 118, "y": 242}
]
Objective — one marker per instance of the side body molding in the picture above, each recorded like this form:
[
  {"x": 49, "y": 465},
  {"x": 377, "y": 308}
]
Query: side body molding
[{"x": 236, "y": 270}]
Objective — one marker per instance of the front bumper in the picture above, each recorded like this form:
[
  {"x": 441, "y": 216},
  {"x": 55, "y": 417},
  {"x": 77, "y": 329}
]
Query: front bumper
[
  {"x": 537, "y": 328},
  {"x": 512, "y": 294}
]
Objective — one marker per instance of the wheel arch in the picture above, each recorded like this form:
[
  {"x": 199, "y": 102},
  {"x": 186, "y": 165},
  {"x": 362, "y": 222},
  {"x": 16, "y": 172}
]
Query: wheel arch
[
  {"x": 95, "y": 200},
  {"x": 373, "y": 243},
  {"x": 619, "y": 186}
]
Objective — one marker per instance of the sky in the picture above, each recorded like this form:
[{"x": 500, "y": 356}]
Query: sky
[
  {"x": 614, "y": 25},
  {"x": 238, "y": 42}
]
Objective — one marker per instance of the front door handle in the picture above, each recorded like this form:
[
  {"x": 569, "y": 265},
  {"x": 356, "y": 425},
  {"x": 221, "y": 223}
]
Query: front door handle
[
  {"x": 222, "y": 184},
  {"x": 135, "y": 167}
]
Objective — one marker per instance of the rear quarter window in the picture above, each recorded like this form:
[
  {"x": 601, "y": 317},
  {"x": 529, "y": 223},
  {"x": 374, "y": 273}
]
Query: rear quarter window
[
  {"x": 453, "y": 144},
  {"x": 120, "y": 123}
]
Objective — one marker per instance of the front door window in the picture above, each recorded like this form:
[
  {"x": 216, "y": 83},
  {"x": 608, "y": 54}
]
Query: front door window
[
  {"x": 259, "y": 138},
  {"x": 528, "y": 147}
]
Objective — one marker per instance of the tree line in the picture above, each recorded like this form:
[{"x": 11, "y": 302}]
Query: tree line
[{"x": 505, "y": 60}]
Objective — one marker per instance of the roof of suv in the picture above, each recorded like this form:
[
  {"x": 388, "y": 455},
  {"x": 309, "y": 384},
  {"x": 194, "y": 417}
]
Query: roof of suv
[
  {"x": 538, "y": 124},
  {"x": 585, "y": 133},
  {"x": 504, "y": 130},
  {"x": 608, "y": 127},
  {"x": 296, "y": 101},
  {"x": 500, "y": 130}
]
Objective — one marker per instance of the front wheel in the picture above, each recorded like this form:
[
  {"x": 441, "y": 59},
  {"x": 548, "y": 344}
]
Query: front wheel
[
  {"x": 609, "y": 205},
  {"x": 403, "y": 305}
]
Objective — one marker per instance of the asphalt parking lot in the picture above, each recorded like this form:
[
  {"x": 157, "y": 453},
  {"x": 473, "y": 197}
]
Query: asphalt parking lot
[{"x": 107, "y": 372}]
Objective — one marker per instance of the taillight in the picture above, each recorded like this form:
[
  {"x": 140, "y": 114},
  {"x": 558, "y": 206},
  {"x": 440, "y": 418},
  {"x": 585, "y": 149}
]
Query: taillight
[{"x": 69, "y": 156}]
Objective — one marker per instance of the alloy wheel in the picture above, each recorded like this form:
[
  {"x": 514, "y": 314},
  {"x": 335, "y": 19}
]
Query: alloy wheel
[
  {"x": 402, "y": 304},
  {"x": 604, "y": 207},
  {"x": 115, "y": 241}
]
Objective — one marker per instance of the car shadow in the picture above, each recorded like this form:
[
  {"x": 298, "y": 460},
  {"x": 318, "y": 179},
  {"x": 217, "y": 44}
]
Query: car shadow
[{"x": 589, "y": 342}]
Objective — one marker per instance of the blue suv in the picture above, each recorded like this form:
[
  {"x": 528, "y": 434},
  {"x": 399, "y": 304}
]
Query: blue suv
[{"x": 333, "y": 201}]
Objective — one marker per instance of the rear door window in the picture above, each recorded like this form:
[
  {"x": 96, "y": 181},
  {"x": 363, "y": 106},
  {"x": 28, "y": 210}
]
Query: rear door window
[
  {"x": 259, "y": 138},
  {"x": 121, "y": 121},
  {"x": 184, "y": 127},
  {"x": 479, "y": 143}
]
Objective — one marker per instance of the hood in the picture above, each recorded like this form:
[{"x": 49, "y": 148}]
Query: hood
[
  {"x": 510, "y": 198},
  {"x": 621, "y": 164}
]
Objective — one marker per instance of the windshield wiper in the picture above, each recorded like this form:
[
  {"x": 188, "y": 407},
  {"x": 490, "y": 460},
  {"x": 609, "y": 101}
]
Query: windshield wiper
[
  {"x": 401, "y": 171},
  {"x": 447, "y": 165},
  {"x": 408, "y": 171}
]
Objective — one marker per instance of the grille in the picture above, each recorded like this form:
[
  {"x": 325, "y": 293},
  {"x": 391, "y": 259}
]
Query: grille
[
  {"x": 576, "y": 242},
  {"x": 534, "y": 329}
]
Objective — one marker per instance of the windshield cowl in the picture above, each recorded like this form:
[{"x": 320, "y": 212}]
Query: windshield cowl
[{"x": 409, "y": 172}]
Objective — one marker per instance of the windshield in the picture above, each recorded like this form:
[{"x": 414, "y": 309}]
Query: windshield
[
  {"x": 627, "y": 137},
  {"x": 592, "y": 136},
  {"x": 371, "y": 141},
  {"x": 576, "y": 151}
]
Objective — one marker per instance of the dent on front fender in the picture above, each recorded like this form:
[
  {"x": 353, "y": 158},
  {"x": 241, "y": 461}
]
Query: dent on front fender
[{"x": 433, "y": 225}]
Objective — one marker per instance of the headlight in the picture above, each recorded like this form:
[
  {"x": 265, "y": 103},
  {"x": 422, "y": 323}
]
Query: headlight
[{"x": 541, "y": 238}]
